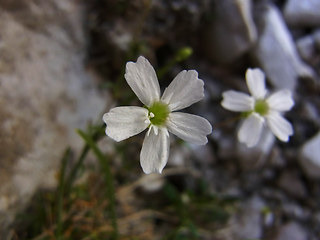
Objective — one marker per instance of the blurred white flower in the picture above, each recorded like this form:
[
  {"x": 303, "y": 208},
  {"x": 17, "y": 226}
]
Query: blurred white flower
[
  {"x": 260, "y": 109},
  {"x": 158, "y": 114}
]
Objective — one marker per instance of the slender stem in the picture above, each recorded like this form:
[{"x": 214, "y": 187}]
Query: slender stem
[
  {"x": 74, "y": 170},
  {"x": 73, "y": 174},
  {"x": 181, "y": 55},
  {"x": 60, "y": 193},
  {"x": 108, "y": 179}
]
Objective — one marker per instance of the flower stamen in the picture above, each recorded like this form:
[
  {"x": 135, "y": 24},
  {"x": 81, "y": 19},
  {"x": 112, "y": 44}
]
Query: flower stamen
[
  {"x": 158, "y": 113},
  {"x": 261, "y": 107}
]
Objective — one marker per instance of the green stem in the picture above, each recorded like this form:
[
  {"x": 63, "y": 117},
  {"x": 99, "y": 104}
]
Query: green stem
[
  {"x": 181, "y": 55},
  {"x": 108, "y": 179},
  {"x": 60, "y": 193},
  {"x": 73, "y": 174}
]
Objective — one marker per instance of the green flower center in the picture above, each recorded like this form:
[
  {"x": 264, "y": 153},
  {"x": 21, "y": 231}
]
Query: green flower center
[
  {"x": 261, "y": 107},
  {"x": 158, "y": 113}
]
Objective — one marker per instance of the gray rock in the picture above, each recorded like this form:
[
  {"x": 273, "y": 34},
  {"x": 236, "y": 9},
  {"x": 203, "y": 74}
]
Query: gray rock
[
  {"x": 292, "y": 184},
  {"x": 232, "y": 31},
  {"x": 316, "y": 218},
  {"x": 310, "y": 157},
  {"x": 291, "y": 231},
  {"x": 226, "y": 143},
  {"x": 276, "y": 158},
  {"x": 203, "y": 154},
  {"x": 307, "y": 48},
  {"x": 317, "y": 38},
  {"x": 178, "y": 155},
  {"x": 276, "y": 52},
  {"x": 274, "y": 194},
  {"x": 302, "y": 13},
  {"x": 255, "y": 157},
  {"x": 295, "y": 211},
  {"x": 45, "y": 94},
  {"x": 248, "y": 223},
  {"x": 310, "y": 111}
]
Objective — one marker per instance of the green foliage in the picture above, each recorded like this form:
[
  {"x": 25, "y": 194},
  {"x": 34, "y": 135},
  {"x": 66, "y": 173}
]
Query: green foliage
[
  {"x": 104, "y": 164},
  {"x": 196, "y": 209}
]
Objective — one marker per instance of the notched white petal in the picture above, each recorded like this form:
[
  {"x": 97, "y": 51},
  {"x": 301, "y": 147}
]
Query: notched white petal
[
  {"x": 250, "y": 130},
  {"x": 256, "y": 83},
  {"x": 155, "y": 151},
  {"x": 185, "y": 89},
  {"x": 143, "y": 80},
  {"x": 189, "y": 127},
  {"x": 237, "y": 101},
  {"x": 280, "y": 127},
  {"x": 124, "y": 122},
  {"x": 281, "y": 100}
]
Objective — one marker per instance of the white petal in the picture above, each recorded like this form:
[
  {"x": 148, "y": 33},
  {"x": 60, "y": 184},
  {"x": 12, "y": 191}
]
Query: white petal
[
  {"x": 281, "y": 100},
  {"x": 279, "y": 126},
  {"x": 143, "y": 80},
  {"x": 250, "y": 130},
  {"x": 237, "y": 101},
  {"x": 185, "y": 89},
  {"x": 189, "y": 127},
  {"x": 124, "y": 122},
  {"x": 256, "y": 83},
  {"x": 155, "y": 151}
]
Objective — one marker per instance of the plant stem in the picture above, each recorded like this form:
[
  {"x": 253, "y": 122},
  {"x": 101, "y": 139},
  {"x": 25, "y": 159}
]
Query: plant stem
[
  {"x": 73, "y": 174},
  {"x": 108, "y": 179},
  {"x": 60, "y": 193}
]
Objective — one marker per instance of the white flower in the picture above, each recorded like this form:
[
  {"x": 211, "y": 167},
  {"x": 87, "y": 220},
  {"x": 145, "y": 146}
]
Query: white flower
[
  {"x": 158, "y": 114},
  {"x": 260, "y": 108}
]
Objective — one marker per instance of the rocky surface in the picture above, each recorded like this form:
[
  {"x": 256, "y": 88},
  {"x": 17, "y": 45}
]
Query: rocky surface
[
  {"x": 231, "y": 32},
  {"x": 45, "y": 94},
  {"x": 276, "y": 51},
  {"x": 310, "y": 159},
  {"x": 47, "y": 91},
  {"x": 302, "y": 13},
  {"x": 309, "y": 48},
  {"x": 292, "y": 231},
  {"x": 248, "y": 223}
]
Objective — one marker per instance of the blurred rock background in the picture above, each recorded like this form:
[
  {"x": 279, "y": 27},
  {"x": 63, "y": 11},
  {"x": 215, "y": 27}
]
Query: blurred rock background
[
  {"x": 46, "y": 93},
  {"x": 59, "y": 58}
]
